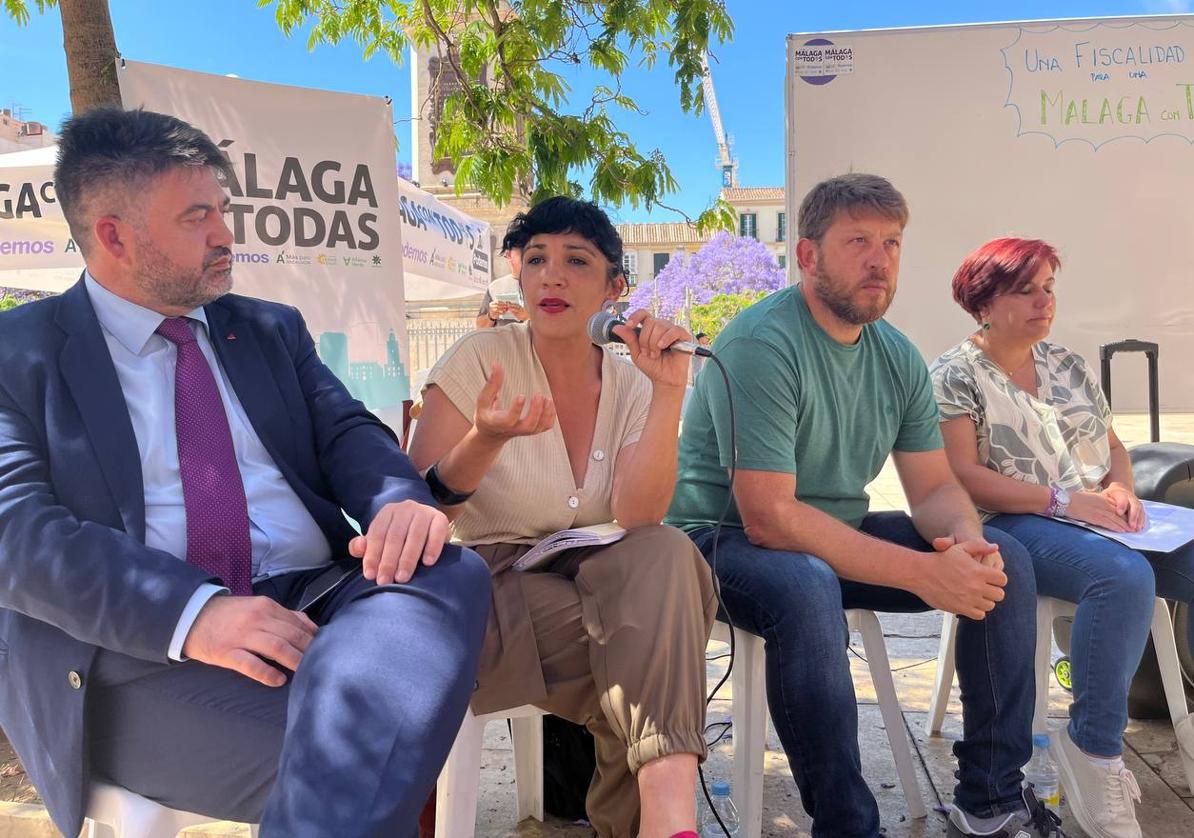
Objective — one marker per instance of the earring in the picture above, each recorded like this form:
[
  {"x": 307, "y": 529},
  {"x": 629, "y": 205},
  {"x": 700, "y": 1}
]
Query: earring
[{"x": 986, "y": 327}]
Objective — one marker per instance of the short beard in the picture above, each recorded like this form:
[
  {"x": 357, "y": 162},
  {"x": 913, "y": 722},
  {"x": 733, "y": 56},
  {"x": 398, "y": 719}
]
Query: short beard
[
  {"x": 831, "y": 291},
  {"x": 169, "y": 284}
]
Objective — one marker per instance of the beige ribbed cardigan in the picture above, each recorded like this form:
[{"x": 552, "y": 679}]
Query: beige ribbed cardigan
[{"x": 529, "y": 491}]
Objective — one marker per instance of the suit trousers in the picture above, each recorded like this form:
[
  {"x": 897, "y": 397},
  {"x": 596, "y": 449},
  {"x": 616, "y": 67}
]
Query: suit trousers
[{"x": 350, "y": 746}]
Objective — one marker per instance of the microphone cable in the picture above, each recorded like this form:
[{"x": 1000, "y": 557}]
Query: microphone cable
[
  {"x": 721, "y": 607},
  {"x": 598, "y": 328}
]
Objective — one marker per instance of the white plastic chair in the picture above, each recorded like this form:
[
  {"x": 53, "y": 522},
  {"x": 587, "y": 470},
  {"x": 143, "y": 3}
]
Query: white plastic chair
[
  {"x": 457, "y": 789},
  {"x": 115, "y": 812},
  {"x": 749, "y": 712},
  {"x": 1047, "y": 610}
]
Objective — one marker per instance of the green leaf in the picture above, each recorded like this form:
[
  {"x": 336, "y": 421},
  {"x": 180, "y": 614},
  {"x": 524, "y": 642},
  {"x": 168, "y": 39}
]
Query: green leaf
[
  {"x": 514, "y": 128},
  {"x": 18, "y": 10},
  {"x": 711, "y": 317},
  {"x": 720, "y": 215}
]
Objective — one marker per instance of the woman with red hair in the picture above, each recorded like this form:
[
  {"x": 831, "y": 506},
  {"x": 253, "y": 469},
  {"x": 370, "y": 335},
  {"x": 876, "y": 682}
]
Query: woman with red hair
[{"x": 1028, "y": 433}]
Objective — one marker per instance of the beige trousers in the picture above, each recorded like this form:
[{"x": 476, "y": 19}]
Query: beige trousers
[{"x": 619, "y": 634}]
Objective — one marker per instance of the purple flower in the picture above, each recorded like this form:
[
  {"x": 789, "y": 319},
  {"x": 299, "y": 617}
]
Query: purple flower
[
  {"x": 726, "y": 264},
  {"x": 13, "y": 297}
]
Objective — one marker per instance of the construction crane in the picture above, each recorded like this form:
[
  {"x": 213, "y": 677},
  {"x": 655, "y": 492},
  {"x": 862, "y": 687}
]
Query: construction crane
[{"x": 726, "y": 160}]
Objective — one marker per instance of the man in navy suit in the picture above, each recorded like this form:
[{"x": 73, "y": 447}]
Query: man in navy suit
[{"x": 184, "y": 609}]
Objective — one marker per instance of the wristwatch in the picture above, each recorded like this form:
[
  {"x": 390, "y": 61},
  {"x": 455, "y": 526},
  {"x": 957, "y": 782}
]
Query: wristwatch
[
  {"x": 441, "y": 492},
  {"x": 1059, "y": 502}
]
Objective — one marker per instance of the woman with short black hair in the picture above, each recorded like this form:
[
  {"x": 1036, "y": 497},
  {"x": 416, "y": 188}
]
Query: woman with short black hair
[{"x": 530, "y": 429}]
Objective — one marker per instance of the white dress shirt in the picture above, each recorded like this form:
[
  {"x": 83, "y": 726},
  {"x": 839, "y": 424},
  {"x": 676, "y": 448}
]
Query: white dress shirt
[{"x": 284, "y": 535}]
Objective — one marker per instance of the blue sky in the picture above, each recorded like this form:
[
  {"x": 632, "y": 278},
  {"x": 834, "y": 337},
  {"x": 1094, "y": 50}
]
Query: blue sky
[{"x": 234, "y": 36}]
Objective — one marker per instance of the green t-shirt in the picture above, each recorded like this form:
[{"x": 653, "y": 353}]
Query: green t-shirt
[{"x": 805, "y": 405}]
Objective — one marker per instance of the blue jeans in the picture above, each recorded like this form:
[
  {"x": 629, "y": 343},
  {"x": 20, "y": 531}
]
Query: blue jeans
[
  {"x": 1114, "y": 587},
  {"x": 794, "y": 601}
]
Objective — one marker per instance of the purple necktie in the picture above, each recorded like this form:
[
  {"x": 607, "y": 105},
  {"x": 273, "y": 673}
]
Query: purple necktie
[{"x": 214, "y": 497}]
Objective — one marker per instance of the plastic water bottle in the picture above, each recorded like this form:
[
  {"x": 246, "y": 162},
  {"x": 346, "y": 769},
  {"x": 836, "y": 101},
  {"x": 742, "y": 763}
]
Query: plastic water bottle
[
  {"x": 1041, "y": 771},
  {"x": 723, "y": 804}
]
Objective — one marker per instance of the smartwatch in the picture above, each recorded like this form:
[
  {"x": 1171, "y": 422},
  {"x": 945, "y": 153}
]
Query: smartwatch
[{"x": 441, "y": 492}]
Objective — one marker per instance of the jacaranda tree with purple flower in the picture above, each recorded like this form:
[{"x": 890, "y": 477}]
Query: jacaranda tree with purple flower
[
  {"x": 726, "y": 264},
  {"x": 13, "y": 297}
]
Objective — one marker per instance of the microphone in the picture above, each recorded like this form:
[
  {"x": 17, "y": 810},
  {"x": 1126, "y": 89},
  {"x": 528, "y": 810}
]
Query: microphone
[{"x": 601, "y": 332}]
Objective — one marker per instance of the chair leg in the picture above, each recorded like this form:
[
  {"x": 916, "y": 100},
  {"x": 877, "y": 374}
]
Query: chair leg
[
  {"x": 749, "y": 710},
  {"x": 126, "y": 815},
  {"x": 456, "y": 791},
  {"x": 528, "y": 765},
  {"x": 889, "y": 707},
  {"x": 944, "y": 680},
  {"x": 1171, "y": 674},
  {"x": 1044, "y": 655}
]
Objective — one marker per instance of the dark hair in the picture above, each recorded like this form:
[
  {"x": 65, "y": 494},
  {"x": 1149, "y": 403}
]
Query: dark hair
[
  {"x": 700, "y": 335},
  {"x": 852, "y": 192},
  {"x": 567, "y": 215},
  {"x": 109, "y": 147},
  {"x": 997, "y": 267}
]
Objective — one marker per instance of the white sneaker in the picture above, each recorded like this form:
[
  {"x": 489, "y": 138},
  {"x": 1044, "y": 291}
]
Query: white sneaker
[{"x": 1102, "y": 797}]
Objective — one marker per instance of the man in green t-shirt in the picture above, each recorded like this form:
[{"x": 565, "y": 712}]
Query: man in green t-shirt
[{"x": 823, "y": 391}]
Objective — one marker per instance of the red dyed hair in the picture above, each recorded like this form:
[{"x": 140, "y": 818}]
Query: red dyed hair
[{"x": 997, "y": 267}]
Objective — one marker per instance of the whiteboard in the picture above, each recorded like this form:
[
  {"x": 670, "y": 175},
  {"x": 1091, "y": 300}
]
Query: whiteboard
[{"x": 1078, "y": 132}]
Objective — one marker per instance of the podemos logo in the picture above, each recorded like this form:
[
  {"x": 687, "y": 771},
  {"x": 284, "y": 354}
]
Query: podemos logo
[
  {"x": 25, "y": 247},
  {"x": 251, "y": 258}
]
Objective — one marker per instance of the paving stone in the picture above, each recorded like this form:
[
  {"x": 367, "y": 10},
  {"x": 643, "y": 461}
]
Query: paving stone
[
  {"x": 1151, "y": 736},
  {"x": 1168, "y": 766},
  {"x": 1162, "y": 812},
  {"x": 25, "y": 820}
]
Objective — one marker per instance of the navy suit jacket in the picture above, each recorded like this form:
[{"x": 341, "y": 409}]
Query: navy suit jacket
[{"x": 75, "y": 574}]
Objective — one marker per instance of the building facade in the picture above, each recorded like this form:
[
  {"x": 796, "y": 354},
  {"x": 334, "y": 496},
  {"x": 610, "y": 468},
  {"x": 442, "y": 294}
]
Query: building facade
[
  {"x": 646, "y": 248},
  {"x": 433, "y": 80},
  {"x": 18, "y": 135},
  {"x": 760, "y": 214}
]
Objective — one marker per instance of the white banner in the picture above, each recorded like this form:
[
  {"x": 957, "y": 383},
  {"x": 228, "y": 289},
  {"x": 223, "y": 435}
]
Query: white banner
[
  {"x": 33, "y": 232},
  {"x": 445, "y": 253},
  {"x": 314, "y": 209},
  {"x": 36, "y": 249},
  {"x": 1078, "y": 132}
]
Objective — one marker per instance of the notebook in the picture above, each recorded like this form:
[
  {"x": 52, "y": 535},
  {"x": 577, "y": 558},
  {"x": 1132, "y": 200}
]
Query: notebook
[{"x": 592, "y": 536}]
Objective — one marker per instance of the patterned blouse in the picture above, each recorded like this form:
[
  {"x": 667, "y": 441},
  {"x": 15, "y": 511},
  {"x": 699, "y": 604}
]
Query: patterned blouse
[{"x": 1057, "y": 438}]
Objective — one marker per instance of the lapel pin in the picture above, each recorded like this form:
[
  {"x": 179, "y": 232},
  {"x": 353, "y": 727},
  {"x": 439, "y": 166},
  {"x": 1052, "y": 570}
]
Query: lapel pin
[{"x": 231, "y": 336}]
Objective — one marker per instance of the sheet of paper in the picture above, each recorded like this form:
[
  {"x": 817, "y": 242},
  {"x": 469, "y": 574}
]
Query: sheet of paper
[{"x": 1168, "y": 528}]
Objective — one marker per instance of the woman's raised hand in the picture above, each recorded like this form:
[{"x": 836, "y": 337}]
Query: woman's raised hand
[
  {"x": 647, "y": 348},
  {"x": 522, "y": 418}
]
